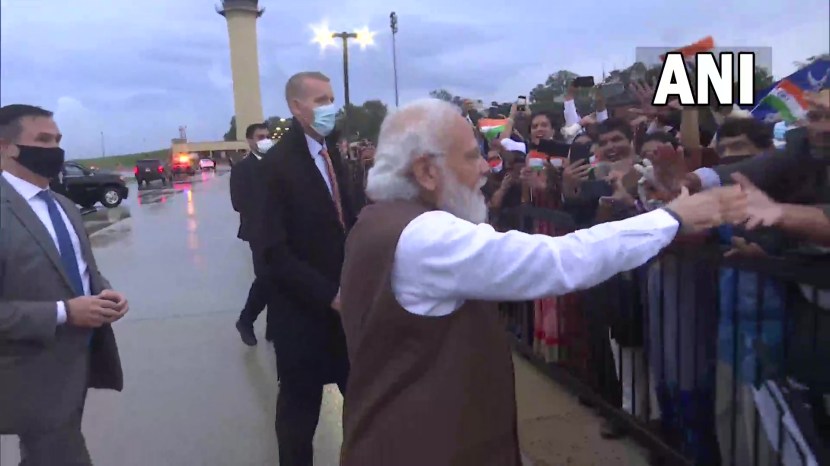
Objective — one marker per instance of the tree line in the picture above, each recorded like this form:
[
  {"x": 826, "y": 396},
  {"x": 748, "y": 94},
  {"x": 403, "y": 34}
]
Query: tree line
[{"x": 365, "y": 119}]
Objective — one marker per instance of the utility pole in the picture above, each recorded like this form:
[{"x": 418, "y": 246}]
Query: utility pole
[
  {"x": 393, "y": 24},
  {"x": 345, "y": 36},
  {"x": 103, "y": 147}
]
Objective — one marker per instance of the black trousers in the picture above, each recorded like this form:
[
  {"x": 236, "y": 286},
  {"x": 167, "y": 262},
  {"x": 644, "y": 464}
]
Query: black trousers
[
  {"x": 258, "y": 294},
  {"x": 298, "y": 412}
]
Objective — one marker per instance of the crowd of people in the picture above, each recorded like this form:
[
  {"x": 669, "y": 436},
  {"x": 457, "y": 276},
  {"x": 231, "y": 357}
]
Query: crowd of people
[
  {"x": 682, "y": 344},
  {"x": 383, "y": 268}
]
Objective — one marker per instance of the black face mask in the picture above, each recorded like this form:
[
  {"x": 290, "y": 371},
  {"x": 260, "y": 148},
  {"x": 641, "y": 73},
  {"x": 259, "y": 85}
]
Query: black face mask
[{"x": 44, "y": 161}]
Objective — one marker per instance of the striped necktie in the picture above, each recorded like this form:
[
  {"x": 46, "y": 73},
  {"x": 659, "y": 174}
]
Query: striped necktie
[{"x": 335, "y": 188}]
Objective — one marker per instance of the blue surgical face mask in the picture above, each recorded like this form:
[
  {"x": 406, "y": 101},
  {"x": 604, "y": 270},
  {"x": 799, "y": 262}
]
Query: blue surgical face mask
[{"x": 324, "y": 118}]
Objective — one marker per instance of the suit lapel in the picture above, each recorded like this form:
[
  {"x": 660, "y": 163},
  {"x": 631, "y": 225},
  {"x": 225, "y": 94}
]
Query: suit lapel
[
  {"x": 23, "y": 211},
  {"x": 312, "y": 174}
]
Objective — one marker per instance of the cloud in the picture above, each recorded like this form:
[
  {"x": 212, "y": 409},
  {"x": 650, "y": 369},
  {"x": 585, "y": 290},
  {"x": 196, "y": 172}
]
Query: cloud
[
  {"x": 138, "y": 70},
  {"x": 79, "y": 125}
]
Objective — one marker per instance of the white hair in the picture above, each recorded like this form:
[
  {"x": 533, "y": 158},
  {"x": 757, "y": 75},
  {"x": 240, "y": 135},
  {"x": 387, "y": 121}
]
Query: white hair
[{"x": 418, "y": 128}]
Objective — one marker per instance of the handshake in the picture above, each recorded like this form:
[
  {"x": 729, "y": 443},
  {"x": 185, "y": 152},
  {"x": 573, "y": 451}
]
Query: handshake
[
  {"x": 739, "y": 204},
  {"x": 709, "y": 209}
]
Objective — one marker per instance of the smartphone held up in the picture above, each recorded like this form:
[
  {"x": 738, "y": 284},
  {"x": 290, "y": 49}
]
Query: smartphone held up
[
  {"x": 521, "y": 104},
  {"x": 583, "y": 81}
]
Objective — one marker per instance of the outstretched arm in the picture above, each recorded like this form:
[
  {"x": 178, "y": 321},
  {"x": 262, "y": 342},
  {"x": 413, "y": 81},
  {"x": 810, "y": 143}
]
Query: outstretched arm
[{"x": 440, "y": 256}]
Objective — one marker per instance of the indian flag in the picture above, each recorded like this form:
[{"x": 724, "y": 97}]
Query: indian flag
[
  {"x": 689, "y": 52},
  {"x": 788, "y": 100},
  {"x": 536, "y": 160},
  {"x": 496, "y": 164},
  {"x": 491, "y": 127},
  {"x": 707, "y": 44}
]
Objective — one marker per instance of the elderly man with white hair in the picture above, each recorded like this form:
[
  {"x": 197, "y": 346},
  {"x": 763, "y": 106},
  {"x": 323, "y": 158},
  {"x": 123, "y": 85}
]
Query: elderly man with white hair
[{"x": 431, "y": 371}]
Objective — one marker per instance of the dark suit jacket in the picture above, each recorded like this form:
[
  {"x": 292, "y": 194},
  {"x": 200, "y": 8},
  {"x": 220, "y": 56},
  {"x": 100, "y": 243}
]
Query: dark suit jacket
[
  {"x": 45, "y": 369},
  {"x": 303, "y": 245},
  {"x": 247, "y": 194}
]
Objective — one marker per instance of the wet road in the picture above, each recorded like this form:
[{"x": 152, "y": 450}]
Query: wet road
[{"x": 194, "y": 394}]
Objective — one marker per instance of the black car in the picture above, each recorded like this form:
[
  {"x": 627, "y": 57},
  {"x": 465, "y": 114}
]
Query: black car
[
  {"x": 148, "y": 170},
  {"x": 86, "y": 187}
]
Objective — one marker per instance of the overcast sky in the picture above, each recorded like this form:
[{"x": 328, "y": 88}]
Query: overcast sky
[{"x": 137, "y": 70}]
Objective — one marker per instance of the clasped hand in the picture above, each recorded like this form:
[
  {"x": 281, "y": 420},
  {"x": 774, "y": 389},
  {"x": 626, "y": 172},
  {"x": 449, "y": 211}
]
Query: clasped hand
[
  {"x": 106, "y": 307},
  {"x": 710, "y": 208}
]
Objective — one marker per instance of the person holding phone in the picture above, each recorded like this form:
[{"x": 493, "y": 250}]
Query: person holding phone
[{"x": 571, "y": 114}]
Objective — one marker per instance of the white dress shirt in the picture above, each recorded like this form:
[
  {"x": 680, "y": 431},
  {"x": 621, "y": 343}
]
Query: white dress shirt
[
  {"x": 30, "y": 192},
  {"x": 315, "y": 147},
  {"x": 441, "y": 260}
]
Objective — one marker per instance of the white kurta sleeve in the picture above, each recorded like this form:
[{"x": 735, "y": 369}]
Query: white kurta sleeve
[{"x": 442, "y": 261}]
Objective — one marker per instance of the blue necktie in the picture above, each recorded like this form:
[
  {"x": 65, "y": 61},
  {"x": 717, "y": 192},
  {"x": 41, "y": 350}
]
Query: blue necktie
[{"x": 67, "y": 251}]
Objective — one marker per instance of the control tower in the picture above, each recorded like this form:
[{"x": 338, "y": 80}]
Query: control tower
[{"x": 247, "y": 98}]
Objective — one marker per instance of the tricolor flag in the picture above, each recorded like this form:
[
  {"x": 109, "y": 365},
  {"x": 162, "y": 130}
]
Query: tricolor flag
[
  {"x": 496, "y": 164},
  {"x": 536, "y": 160},
  {"x": 788, "y": 100},
  {"x": 707, "y": 44},
  {"x": 491, "y": 127}
]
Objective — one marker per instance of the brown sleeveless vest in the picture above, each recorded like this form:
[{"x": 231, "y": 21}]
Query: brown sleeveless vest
[{"x": 423, "y": 391}]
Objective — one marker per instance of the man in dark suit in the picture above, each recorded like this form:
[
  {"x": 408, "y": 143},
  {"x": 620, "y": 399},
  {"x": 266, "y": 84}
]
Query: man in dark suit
[
  {"x": 247, "y": 193},
  {"x": 55, "y": 306},
  {"x": 307, "y": 213}
]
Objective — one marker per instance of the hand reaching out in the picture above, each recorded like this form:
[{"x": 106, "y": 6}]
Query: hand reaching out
[
  {"x": 760, "y": 210},
  {"x": 710, "y": 208},
  {"x": 644, "y": 93},
  {"x": 620, "y": 195},
  {"x": 743, "y": 248},
  {"x": 669, "y": 168}
]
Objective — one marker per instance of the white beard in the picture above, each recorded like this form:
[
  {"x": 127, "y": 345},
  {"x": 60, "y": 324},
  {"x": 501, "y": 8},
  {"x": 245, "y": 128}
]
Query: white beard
[{"x": 461, "y": 201}]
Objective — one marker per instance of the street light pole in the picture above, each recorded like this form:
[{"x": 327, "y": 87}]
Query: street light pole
[
  {"x": 103, "y": 147},
  {"x": 345, "y": 36},
  {"x": 393, "y": 24}
]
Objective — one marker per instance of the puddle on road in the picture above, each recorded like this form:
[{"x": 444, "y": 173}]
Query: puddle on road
[
  {"x": 100, "y": 218},
  {"x": 157, "y": 194}
]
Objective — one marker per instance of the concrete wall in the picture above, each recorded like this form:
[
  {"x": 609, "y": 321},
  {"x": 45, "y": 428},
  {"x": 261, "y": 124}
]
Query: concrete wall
[
  {"x": 210, "y": 146},
  {"x": 244, "y": 68}
]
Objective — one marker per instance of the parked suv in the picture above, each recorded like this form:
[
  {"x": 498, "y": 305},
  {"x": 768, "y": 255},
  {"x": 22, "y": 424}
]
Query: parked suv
[
  {"x": 148, "y": 170},
  {"x": 86, "y": 187}
]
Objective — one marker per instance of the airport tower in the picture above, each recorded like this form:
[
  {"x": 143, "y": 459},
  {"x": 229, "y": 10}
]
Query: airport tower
[{"x": 241, "y": 16}]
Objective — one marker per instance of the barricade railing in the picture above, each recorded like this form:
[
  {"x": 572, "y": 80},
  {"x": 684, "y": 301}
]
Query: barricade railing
[{"x": 704, "y": 359}]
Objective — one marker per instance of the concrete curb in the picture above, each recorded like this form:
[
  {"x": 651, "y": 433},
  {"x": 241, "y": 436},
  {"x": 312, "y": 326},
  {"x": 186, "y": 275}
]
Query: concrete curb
[{"x": 123, "y": 224}]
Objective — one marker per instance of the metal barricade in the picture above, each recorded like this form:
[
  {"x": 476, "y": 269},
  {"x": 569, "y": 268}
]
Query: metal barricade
[{"x": 705, "y": 360}]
